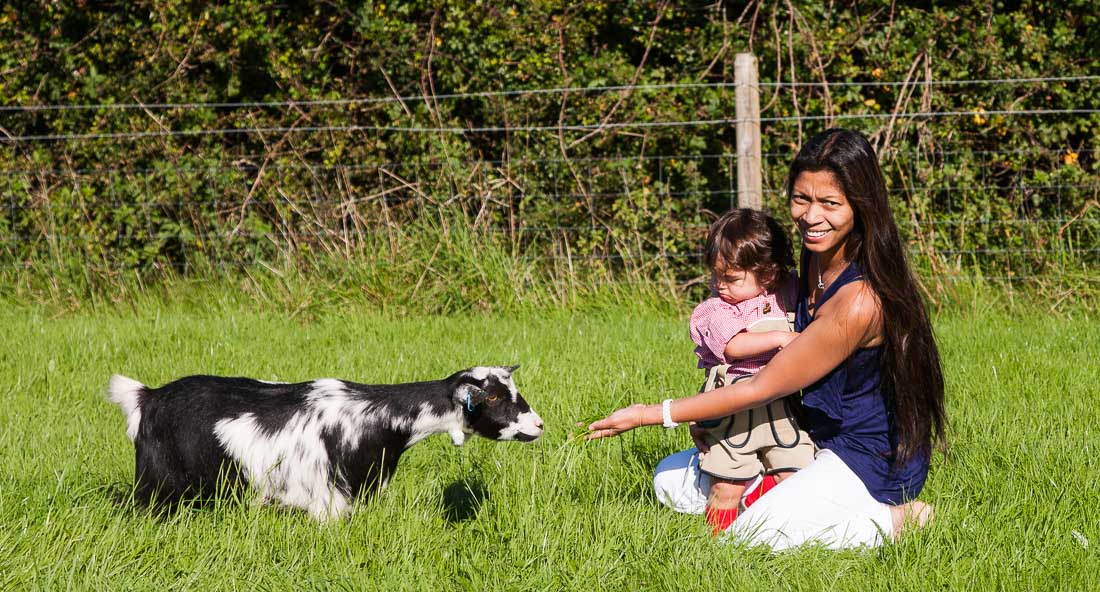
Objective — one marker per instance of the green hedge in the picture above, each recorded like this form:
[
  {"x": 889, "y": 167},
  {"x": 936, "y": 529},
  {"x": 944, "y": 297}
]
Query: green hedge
[{"x": 978, "y": 192}]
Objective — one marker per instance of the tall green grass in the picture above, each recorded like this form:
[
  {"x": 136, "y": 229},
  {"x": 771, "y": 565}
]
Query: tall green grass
[
  {"x": 434, "y": 265},
  {"x": 440, "y": 265},
  {"x": 1015, "y": 496}
]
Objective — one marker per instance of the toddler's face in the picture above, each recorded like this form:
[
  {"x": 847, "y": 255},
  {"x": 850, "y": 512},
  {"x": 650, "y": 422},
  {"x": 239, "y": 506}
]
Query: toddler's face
[{"x": 735, "y": 285}]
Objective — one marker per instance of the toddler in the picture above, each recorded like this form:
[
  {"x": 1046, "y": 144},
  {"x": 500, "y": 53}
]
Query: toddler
[{"x": 745, "y": 321}]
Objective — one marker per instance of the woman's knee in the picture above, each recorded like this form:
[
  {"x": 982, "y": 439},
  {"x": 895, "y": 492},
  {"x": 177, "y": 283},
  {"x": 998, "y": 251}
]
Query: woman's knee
[
  {"x": 670, "y": 473},
  {"x": 676, "y": 483}
]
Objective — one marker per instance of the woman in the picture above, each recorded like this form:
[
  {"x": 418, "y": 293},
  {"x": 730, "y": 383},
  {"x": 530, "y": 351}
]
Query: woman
[{"x": 866, "y": 362}]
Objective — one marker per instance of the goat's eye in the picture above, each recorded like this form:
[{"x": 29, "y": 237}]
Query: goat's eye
[{"x": 493, "y": 398}]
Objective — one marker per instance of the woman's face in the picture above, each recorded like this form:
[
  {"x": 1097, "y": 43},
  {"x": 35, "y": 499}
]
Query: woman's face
[{"x": 822, "y": 212}]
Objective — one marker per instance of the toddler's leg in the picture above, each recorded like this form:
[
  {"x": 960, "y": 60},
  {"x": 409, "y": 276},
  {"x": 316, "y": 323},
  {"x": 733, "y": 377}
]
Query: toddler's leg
[{"x": 725, "y": 494}]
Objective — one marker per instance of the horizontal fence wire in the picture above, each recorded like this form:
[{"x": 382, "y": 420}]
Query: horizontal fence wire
[
  {"x": 983, "y": 155},
  {"x": 507, "y": 129},
  {"x": 291, "y": 103}
]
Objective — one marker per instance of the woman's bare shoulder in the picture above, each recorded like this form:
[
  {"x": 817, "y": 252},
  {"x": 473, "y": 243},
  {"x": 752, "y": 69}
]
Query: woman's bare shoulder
[{"x": 857, "y": 307}]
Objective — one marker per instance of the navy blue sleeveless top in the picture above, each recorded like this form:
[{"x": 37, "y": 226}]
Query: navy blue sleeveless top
[{"x": 847, "y": 412}]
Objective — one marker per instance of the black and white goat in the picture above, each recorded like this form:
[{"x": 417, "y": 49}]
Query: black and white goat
[{"x": 311, "y": 445}]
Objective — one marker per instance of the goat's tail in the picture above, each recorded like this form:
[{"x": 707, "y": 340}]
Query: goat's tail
[{"x": 126, "y": 393}]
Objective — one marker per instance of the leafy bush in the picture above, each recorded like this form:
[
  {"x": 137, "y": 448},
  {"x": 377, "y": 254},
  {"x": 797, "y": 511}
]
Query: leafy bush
[{"x": 168, "y": 141}]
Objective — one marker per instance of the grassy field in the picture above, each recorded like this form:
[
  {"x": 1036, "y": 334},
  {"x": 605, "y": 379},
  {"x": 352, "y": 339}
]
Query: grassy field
[{"x": 1017, "y": 496}]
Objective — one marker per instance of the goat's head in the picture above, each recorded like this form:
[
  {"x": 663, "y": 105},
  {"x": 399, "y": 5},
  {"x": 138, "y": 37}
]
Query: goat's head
[{"x": 491, "y": 405}]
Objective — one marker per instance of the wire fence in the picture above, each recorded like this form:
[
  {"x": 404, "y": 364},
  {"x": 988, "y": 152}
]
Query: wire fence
[
  {"x": 559, "y": 127},
  {"x": 534, "y": 92},
  {"x": 1024, "y": 212}
]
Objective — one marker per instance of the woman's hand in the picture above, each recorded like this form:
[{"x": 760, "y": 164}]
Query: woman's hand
[{"x": 623, "y": 420}]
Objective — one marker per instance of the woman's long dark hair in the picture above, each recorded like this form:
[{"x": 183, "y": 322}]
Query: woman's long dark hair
[{"x": 913, "y": 378}]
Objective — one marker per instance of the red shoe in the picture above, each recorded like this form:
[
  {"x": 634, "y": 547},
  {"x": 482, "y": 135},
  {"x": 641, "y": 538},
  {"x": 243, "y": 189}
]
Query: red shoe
[{"x": 766, "y": 485}]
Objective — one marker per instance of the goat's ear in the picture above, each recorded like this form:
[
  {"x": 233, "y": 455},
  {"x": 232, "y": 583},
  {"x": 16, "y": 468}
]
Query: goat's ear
[
  {"x": 470, "y": 395},
  {"x": 511, "y": 369}
]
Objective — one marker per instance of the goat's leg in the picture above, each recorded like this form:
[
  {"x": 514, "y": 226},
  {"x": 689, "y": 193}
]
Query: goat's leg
[
  {"x": 329, "y": 505},
  {"x": 158, "y": 477}
]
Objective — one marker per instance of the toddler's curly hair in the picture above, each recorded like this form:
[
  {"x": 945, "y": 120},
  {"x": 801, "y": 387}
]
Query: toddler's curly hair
[{"x": 750, "y": 240}]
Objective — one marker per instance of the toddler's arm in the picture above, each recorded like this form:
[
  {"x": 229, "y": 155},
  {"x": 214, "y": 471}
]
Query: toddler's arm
[{"x": 745, "y": 344}]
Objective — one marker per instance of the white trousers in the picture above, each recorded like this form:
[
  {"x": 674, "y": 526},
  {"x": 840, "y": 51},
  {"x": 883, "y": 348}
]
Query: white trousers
[{"x": 824, "y": 503}]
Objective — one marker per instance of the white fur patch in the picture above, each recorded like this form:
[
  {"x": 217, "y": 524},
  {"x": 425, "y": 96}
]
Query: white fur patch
[
  {"x": 458, "y": 436},
  {"x": 290, "y": 466},
  {"x": 481, "y": 372},
  {"x": 335, "y": 407},
  {"x": 528, "y": 423},
  {"x": 124, "y": 392},
  {"x": 502, "y": 374},
  {"x": 428, "y": 423}
]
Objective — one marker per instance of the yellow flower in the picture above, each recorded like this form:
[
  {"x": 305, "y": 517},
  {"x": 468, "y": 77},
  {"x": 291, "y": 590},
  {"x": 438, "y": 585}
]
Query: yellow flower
[
  {"x": 979, "y": 118},
  {"x": 877, "y": 73},
  {"x": 1070, "y": 158},
  {"x": 870, "y": 102}
]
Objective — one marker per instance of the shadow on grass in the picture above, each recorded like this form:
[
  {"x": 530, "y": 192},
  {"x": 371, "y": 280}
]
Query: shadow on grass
[
  {"x": 119, "y": 494},
  {"x": 122, "y": 497},
  {"x": 462, "y": 500}
]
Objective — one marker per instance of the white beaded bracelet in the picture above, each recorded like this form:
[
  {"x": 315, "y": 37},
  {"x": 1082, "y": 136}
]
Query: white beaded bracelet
[{"x": 666, "y": 415}]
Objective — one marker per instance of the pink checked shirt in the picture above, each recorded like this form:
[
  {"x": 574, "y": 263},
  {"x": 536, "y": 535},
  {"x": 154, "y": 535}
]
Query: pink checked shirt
[{"x": 714, "y": 322}]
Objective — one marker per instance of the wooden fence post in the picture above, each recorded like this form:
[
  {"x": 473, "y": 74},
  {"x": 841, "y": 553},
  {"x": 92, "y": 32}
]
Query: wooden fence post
[{"x": 749, "y": 181}]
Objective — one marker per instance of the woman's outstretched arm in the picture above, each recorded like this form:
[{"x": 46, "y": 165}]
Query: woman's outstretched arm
[{"x": 849, "y": 321}]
